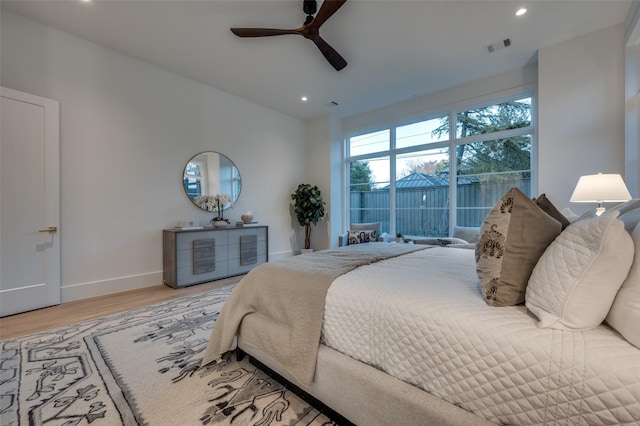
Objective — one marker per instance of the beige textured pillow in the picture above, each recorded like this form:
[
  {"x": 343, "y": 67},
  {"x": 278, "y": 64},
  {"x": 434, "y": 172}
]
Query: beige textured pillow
[
  {"x": 512, "y": 238},
  {"x": 576, "y": 280},
  {"x": 624, "y": 315}
]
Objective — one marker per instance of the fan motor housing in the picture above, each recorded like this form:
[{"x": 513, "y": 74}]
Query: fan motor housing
[{"x": 310, "y": 7}]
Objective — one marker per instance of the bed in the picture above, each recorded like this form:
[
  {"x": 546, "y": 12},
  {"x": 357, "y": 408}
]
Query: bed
[{"x": 405, "y": 336}]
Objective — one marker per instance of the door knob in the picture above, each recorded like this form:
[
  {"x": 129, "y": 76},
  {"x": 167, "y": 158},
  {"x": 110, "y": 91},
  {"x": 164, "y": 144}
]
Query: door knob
[{"x": 49, "y": 229}]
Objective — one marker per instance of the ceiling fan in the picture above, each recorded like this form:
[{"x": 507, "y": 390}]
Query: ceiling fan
[{"x": 310, "y": 29}]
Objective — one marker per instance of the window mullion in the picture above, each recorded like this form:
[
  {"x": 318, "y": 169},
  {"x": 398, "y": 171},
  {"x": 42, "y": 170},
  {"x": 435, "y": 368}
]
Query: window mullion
[
  {"x": 392, "y": 182},
  {"x": 453, "y": 172},
  {"x": 365, "y": 157},
  {"x": 424, "y": 147},
  {"x": 504, "y": 134}
]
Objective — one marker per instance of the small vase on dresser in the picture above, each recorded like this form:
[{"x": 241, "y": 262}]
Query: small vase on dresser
[{"x": 247, "y": 217}]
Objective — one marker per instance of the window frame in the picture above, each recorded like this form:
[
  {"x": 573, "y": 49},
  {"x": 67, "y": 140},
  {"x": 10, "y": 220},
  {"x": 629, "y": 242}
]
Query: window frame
[{"x": 451, "y": 143}]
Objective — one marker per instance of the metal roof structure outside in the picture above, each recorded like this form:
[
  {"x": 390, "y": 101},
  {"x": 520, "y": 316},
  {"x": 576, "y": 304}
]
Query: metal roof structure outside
[{"x": 422, "y": 181}]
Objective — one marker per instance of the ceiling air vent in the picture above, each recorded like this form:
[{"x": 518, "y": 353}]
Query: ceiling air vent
[
  {"x": 491, "y": 48},
  {"x": 332, "y": 104}
]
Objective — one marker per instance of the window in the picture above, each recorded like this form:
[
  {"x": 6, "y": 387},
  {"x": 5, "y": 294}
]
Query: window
[
  {"x": 422, "y": 195},
  {"x": 401, "y": 175},
  {"x": 370, "y": 142},
  {"x": 420, "y": 133},
  {"x": 192, "y": 179},
  {"x": 369, "y": 202}
]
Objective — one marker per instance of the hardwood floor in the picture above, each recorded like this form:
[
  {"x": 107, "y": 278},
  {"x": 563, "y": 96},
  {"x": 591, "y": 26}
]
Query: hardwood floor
[{"x": 80, "y": 310}]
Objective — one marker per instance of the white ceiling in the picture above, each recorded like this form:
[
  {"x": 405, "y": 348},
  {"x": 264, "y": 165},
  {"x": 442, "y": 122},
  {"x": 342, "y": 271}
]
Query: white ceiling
[{"x": 395, "y": 49}]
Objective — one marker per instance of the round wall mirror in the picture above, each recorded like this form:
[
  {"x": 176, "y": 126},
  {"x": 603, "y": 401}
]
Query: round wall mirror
[{"x": 208, "y": 174}]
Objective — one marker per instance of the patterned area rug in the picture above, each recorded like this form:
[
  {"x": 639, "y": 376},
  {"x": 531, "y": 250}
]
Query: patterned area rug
[{"x": 140, "y": 367}]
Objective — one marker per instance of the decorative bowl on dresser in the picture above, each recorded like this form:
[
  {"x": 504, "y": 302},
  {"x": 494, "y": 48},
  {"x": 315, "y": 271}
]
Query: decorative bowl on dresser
[{"x": 197, "y": 256}]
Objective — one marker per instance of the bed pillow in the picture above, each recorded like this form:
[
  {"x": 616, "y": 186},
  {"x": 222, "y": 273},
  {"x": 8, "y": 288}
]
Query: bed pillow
[
  {"x": 627, "y": 206},
  {"x": 512, "y": 237},
  {"x": 576, "y": 280},
  {"x": 445, "y": 241},
  {"x": 569, "y": 215},
  {"x": 545, "y": 204},
  {"x": 624, "y": 315},
  {"x": 370, "y": 226},
  {"x": 357, "y": 237},
  {"x": 630, "y": 219},
  {"x": 467, "y": 233}
]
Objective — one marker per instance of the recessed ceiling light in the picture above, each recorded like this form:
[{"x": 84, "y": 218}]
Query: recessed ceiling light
[
  {"x": 521, "y": 11},
  {"x": 304, "y": 99}
]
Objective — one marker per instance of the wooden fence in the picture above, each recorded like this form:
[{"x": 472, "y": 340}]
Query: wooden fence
[{"x": 425, "y": 211}]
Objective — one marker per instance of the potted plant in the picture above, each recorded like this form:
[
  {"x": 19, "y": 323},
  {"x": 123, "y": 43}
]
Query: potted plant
[
  {"x": 399, "y": 238},
  {"x": 309, "y": 209}
]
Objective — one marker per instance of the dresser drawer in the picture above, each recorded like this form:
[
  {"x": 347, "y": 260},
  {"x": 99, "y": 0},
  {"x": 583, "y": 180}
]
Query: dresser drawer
[
  {"x": 236, "y": 268},
  {"x": 184, "y": 240},
  {"x": 186, "y": 276}
]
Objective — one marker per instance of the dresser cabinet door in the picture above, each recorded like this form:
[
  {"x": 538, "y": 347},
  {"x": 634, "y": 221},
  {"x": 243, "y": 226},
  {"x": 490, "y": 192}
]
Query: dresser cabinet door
[
  {"x": 247, "y": 249},
  {"x": 201, "y": 257}
]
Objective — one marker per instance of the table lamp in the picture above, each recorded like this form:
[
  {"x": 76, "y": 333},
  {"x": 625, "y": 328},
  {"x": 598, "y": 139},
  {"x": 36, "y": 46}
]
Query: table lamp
[{"x": 600, "y": 188}]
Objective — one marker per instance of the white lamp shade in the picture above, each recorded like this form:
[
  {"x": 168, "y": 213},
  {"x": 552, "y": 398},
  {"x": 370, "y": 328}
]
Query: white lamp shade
[{"x": 600, "y": 188}]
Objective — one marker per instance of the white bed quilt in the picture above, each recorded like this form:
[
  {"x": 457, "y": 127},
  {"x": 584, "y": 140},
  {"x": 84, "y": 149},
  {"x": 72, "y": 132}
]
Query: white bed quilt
[{"x": 421, "y": 318}]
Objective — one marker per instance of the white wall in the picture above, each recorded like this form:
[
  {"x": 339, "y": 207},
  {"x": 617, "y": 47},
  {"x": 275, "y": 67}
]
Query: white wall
[
  {"x": 632, "y": 97},
  {"x": 325, "y": 169},
  {"x": 581, "y": 112},
  {"x": 127, "y": 131},
  {"x": 473, "y": 92}
]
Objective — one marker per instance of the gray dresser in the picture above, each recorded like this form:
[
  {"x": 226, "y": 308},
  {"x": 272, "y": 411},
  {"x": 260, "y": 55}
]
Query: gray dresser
[{"x": 196, "y": 256}]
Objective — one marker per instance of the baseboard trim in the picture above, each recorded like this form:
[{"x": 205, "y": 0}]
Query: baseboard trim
[
  {"x": 86, "y": 290},
  {"x": 79, "y": 291}
]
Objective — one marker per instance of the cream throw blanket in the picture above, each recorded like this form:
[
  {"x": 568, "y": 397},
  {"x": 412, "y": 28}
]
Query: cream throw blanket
[{"x": 286, "y": 298}]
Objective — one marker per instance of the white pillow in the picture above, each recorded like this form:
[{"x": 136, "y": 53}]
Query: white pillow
[
  {"x": 630, "y": 219},
  {"x": 571, "y": 216},
  {"x": 627, "y": 206},
  {"x": 574, "y": 283},
  {"x": 624, "y": 315}
]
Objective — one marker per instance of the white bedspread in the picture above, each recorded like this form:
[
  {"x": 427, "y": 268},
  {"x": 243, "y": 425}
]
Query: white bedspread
[{"x": 421, "y": 317}]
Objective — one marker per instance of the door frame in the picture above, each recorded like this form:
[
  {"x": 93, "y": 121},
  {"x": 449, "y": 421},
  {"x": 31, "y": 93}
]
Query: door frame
[{"x": 52, "y": 187}]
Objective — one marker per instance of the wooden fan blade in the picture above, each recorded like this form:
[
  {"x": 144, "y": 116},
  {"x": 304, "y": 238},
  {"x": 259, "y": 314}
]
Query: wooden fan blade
[
  {"x": 328, "y": 8},
  {"x": 262, "y": 32},
  {"x": 334, "y": 58}
]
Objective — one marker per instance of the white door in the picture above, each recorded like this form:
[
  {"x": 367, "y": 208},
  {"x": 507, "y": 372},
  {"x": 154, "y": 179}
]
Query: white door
[{"x": 29, "y": 202}]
